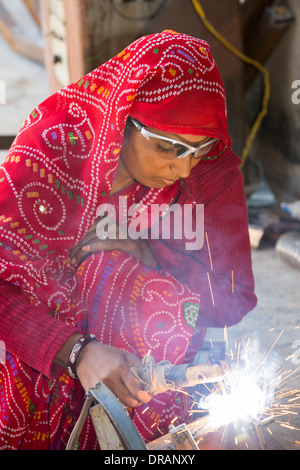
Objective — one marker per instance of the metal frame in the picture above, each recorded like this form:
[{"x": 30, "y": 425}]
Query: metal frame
[{"x": 114, "y": 428}]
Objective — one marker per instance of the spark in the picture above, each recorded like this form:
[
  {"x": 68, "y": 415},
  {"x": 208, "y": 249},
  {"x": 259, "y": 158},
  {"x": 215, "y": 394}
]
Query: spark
[
  {"x": 209, "y": 253},
  {"x": 288, "y": 426},
  {"x": 146, "y": 409},
  {"x": 159, "y": 430},
  {"x": 247, "y": 344},
  {"x": 271, "y": 348},
  {"x": 184, "y": 392},
  {"x": 294, "y": 399},
  {"x": 211, "y": 292}
]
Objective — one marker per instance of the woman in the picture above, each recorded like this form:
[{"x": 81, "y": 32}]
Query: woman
[{"x": 148, "y": 127}]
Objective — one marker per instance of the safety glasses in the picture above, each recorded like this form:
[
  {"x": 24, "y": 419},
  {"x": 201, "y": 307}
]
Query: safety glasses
[{"x": 173, "y": 148}]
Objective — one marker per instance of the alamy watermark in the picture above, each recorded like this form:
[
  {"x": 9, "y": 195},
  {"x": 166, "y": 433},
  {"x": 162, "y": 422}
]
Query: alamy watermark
[
  {"x": 296, "y": 355},
  {"x": 154, "y": 221},
  {"x": 296, "y": 93},
  {"x": 2, "y": 92}
]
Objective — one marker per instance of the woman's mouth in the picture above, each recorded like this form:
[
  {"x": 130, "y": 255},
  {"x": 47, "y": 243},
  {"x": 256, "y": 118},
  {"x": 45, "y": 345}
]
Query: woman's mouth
[{"x": 168, "y": 182}]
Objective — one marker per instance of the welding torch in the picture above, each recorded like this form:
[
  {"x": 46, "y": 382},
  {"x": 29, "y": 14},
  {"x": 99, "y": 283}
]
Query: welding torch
[{"x": 162, "y": 376}]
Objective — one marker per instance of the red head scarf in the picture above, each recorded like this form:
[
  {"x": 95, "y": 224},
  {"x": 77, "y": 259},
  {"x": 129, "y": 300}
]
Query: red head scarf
[
  {"x": 183, "y": 92},
  {"x": 61, "y": 166}
]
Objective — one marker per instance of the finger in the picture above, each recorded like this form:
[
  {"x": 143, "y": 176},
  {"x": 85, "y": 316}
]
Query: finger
[
  {"x": 76, "y": 252},
  {"x": 94, "y": 246},
  {"x": 86, "y": 239},
  {"x": 103, "y": 245},
  {"x": 135, "y": 388},
  {"x": 90, "y": 234},
  {"x": 125, "y": 396}
]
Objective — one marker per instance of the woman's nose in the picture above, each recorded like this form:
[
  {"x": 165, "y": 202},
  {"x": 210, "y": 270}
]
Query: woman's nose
[{"x": 182, "y": 166}]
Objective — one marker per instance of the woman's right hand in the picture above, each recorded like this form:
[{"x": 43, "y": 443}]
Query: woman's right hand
[{"x": 112, "y": 366}]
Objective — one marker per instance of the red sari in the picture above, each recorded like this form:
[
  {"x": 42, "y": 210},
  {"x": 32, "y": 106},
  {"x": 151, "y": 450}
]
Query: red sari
[{"x": 58, "y": 171}]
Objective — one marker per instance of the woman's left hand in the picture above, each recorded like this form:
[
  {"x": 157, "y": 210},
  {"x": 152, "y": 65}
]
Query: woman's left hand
[{"x": 91, "y": 243}]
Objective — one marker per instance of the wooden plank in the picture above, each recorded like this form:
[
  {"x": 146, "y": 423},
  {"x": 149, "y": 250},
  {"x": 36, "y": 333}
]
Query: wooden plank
[
  {"x": 269, "y": 30},
  {"x": 263, "y": 40},
  {"x": 7, "y": 23},
  {"x": 252, "y": 10},
  {"x": 19, "y": 42},
  {"x": 28, "y": 48},
  {"x": 106, "y": 434},
  {"x": 6, "y": 141},
  {"x": 34, "y": 9},
  {"x": 61, "y": 25}
]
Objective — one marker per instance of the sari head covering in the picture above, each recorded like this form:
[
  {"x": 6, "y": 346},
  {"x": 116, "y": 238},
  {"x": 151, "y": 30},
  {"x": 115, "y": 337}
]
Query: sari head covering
[
  {"x": 59, "y": 170},
  {"x": 183, "y": 93}
]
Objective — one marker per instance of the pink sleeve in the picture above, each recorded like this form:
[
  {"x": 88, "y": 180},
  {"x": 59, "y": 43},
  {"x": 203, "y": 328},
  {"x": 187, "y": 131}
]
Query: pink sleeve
[{"x": 29, "y": 333}]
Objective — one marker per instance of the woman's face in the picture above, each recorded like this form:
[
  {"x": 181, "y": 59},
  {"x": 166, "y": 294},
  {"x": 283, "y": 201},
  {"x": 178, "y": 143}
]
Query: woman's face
[{"x": 150, "y": 162}]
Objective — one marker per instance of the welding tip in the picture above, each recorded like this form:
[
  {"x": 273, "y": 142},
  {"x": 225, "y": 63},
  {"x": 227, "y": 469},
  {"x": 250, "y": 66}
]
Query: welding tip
[
  {"x": 190, "y": 375},
  {"x": 206, "y": 373}
]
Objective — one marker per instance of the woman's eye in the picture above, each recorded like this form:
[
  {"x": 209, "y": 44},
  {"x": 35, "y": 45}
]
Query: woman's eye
[
  {"x": 181, "y": 151},
  {"x": 165, "y": 148}
]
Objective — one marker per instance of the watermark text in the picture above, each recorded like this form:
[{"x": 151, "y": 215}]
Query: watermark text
[
  {"x": 296, "y": 355},
  {"x": 156, "y": 221},
  {"x": 296, "y": 93}
]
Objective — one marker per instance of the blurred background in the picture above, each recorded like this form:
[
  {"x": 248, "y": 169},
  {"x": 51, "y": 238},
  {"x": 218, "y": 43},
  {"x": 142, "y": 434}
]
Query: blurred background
[{"x": 47, "y": 44}]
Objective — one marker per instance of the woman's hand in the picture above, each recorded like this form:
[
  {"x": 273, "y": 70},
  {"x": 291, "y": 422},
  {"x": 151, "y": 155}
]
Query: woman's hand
[
  {"x": 112, "y": 366},
  {"x": 91, "y": 243}
]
